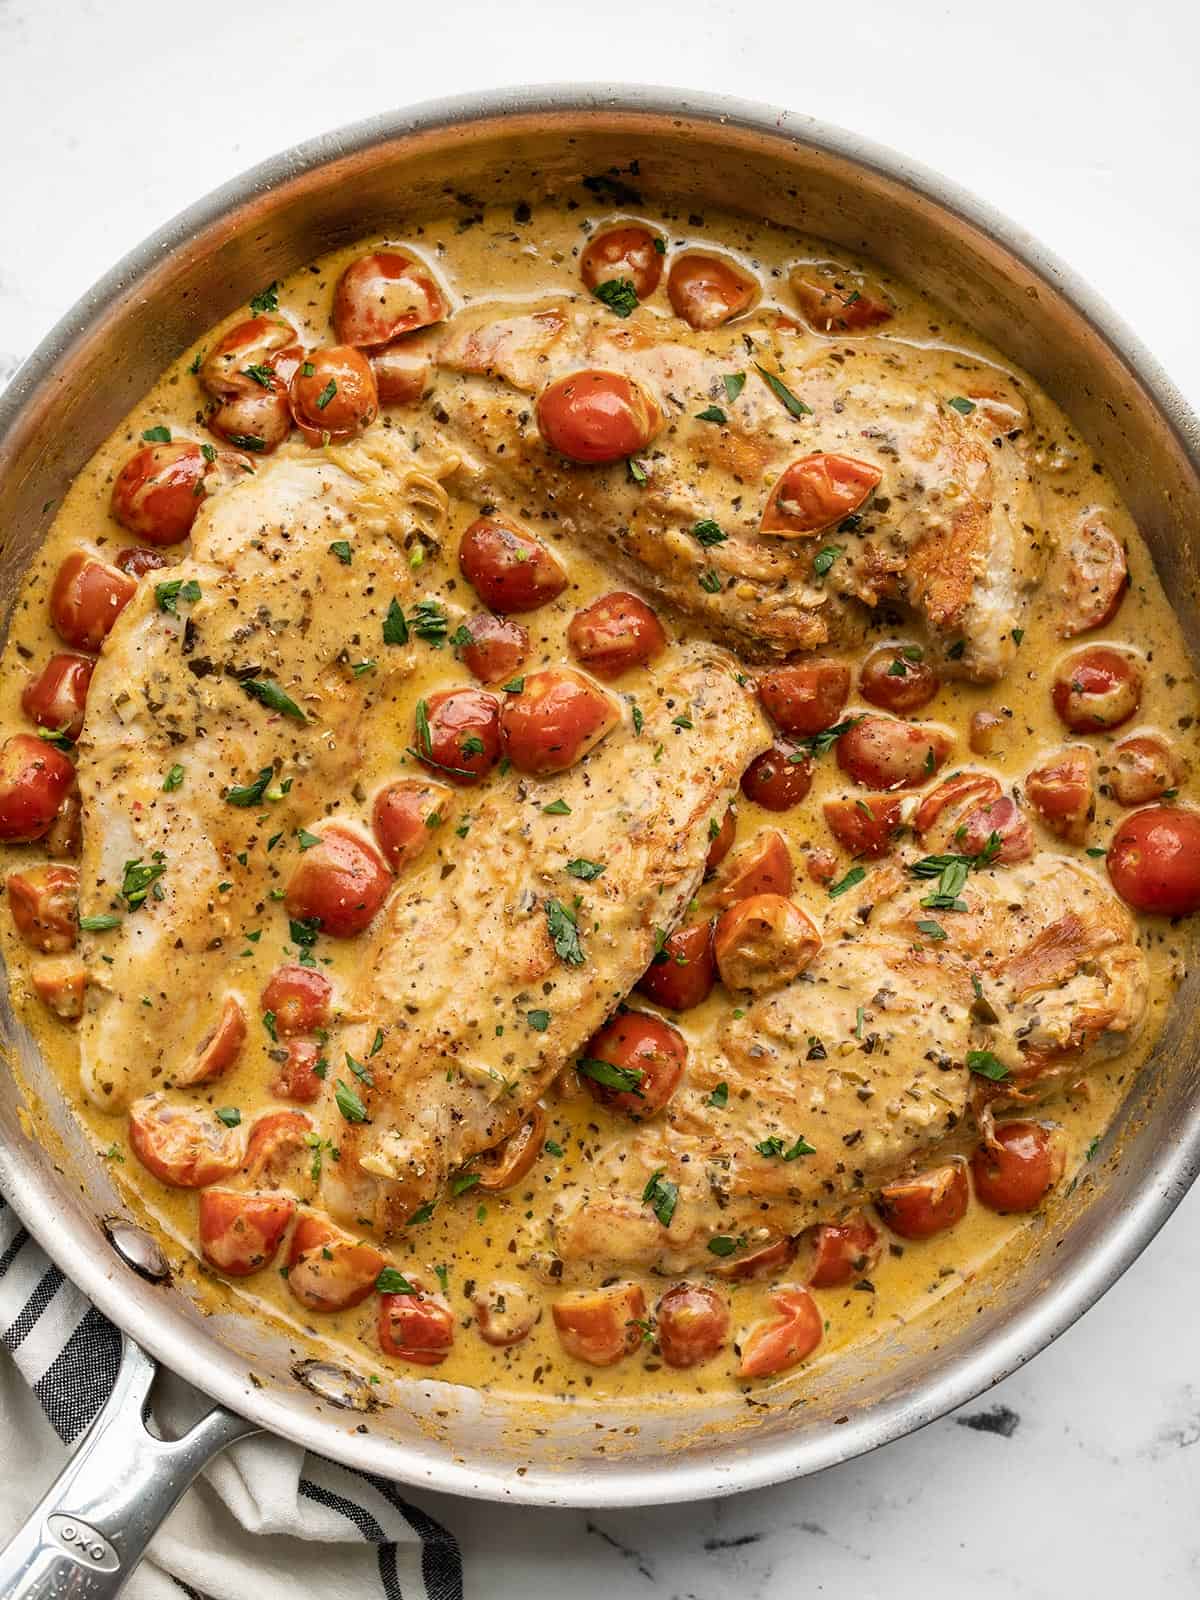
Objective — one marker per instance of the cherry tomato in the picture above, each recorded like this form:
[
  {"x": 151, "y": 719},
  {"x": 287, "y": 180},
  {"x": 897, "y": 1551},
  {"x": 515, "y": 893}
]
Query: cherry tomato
[
  {"x": 967, "y": 809},
  {"x": 763, "y": 1261},
  {"x": 817, "y": 491},
  {"x": 405, "y": 816},
  {"x": 600, "y": 1326},
  {"x": 240, "y": 1233},
  {"x": 614, "y": 634},
  {"x": 278, "y": 1143},
  {"x": 416, "y": 1327},
  {"x": 556, "y": 719},
  {"x": 890, "y": 679},
  {"x": 806, "y": 697},
  {"x": 777, "y": 1346},
  {"x": 832, "y": 300},
  {"x": 296, "y": 1077},
  {"x": 1002, "y": 818},
  {"x": 692, "y": 1324},
  {"x": 342, "y": 882},
  {"x": 1154, "y": 860},
  {"x": 60, "y": 983},
  {"x": 510, "y": 1160},
  {"x": 1097, "y": 688},
  {"x": 57, "y": 697},
  {"x": 707, "y": 290},
  {"x": 34, "y": 779},
  {"x": 764, "y": 866},
  {"x": 1018, "y": 1168},
  {"x": 242, "y": 362},
  {"x": 402, "y": 373},
  {"x": 1096, "y": 578},
  {"x": 841, "y": 1251},
  {"x": 683, "y": 972},
  {"x": 458, "y": 733},
  {"x": 778, "y": 779},
  {"x": 984, "y": 737},
  {"x": 498, "y": 649},
  {"x": 328, "y": 1269},
  {"x": 333, "y": 394},
  {"x": 138, "y": 559},
  {"x": 1063, "y": 793},
  {"x": 159, "y": 490},
  {"x": 182, "y": 1146},
  {"x": 627, "y": 253},
  {"x": 820, "y": 866},
  {"x": 764, "y": 942},
  {"x": 931, "y": 1202},
  {"x": 865, "y": 827},
  {"x": 881, "y": 753},
  {"x": 505, "y": 1313},
  {"x": 298, "y": 999},
  {"x": 644, "y": 1050},
  {"x": 508, "y": 568},
  {"x": 258, "y": 422},
  {"x": 44, "y": 902},
  {"x": 950, "y": 798},
  {"x": 722, "y": 840},
  {"x": 218, "y": 1050},
  {"x": 86, "y": 599},
  {"x": 385, "y": 294},
  {"x": 1144, "y": 767},
  {"x": 64, "y": 840},
  {"x": 595, "y": 416}
]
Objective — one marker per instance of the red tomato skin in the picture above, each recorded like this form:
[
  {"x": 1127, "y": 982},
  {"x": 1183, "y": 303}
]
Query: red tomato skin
[
  {"x": 460, "y": 719},
  {"x": 1144, "y": 767},
  {"x": 722, "y": 841},
  {"x": 881, "y": 753},
  {"x": 276, "y": 1140},
  {"x": 297, "y": 1078},
  {"x": 641, "y": 1043},
  {"x": 328, "y": 1269},
  {"x": 34, "y": 780},
  {"x": 708, "y": 290},
  {"x": 182, "y": 1146},
  {"x": 354, "y": 403},
  {"x": 763, "y": 866},
  {"x": 627, "y": 252},
  {"x": 257, "y": 342},
  {"x": 692, "y": 1324},
  {"x": 842, "y": 1251},
  {"x": 1004, "y": 818},
  {"x": 57, "y": 697},
  {"x": 60, "y": 983},
  {"x": 829, "y": 308},
  {"x": 1017, "y": 1171},
  {"x": 816, "y": 492},
  {"x": 86, "y": 598},
  {"x": 1154, "y": 860},
  {"x": 257, "y": 422},
  {"x": 159, "y": 490},
  {"x": 342, "y": 882},
  {"x": 298, "y": 998},
  {"x": 763, "y": 941},
  {"x": 930, "y": 1203},
  {"x": 383, "y": 295},
  {"x": 686, "y": 976},
  {"x": 218, "y": 1050},
  {"x": 508, "y": 568},
  {"x": 596, "y": 417},
  {"x": 1096, "y": 578},
  {"x": 138, "y": 559},
  {"x": 240, "y": 1233},
  {"x": 415, "y": 1327},
  {"x": 902, "y": 692},
  {"x": 774, "y": 1347},
  {"x": 776, "y": 781},
  {"x": 600, "y": 1326},
  {"x": 1063, "y": 793},
  {"x": 44, "y": 902},
  {"x": 806, "y": 697},
  {"x": 615, "y": 634},
  {"x": 498, "y": 649},
  {"x": 405, "y": 817},
  {"x": 868, "y": 832},
  {"x": 762, "y": 1262},
  {"x": 1097, "y": 688},
  {"x": 556, "y": 719}
]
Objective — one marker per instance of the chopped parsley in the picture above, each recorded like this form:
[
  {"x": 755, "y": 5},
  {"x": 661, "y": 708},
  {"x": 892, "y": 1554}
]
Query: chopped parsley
[
  {"x": 618, "y": 294},
  {"x": 962, "y": 406},
  {"x": 708, "y": 533},
  {"x": 173, "y": 779},
  {"x": 986, "y": 1065},
  {"x": 348, "y": 1103},
  {"x": 395, "y": 628},
  {"x": 100, "y": 923},
  {"x": 305, "y": 839},
  {"x": 464, "y": 1181},
  {"x": 266, "y": 299},
  {"x": 564, "y": 933},
  {"x": 327, "y": 394},
  {"x": 932, "y": 930},
  {"x": 513, "y": 686},
  {"x": 263, "y": 376},
  {"x": 268, "y": 693},
  {"x": 361, "y": 1072},
  {"x": 710, "y": 581},
  {"x": 639, "y": 720},
  {"x": 951, "y": 872},
  {"x": 734, "y": 383},
  {"x": 721, "y": 1244},
  {"x": 138, "y": 877},
  {"x": 581, "y": 867},
  {"x": 231, "y": 1116},
  {"x": 662, "y": 1196},
  {"x": 816, "y": 744},
  {"x": 429, "y": 622},
  {"x": 636, "y": 471},
  {"x": 250, "y": 794},
  {"x": 711, "y": 414},
  {"x": 775, "y": 1146},
  {"x": 782, "y": 393},
  {"x": 539, "y": 1021},
  {"x": 359, "y": 667},
  {"x": 825, "y": 557},
  {"x": 159, "y": 435},
  {"x": 168, "y": 595},
  {"x": 556, "y": 808},
  {"x": 719, "y": 1097},
  {"x": 855, "y": 875},
  {"x": 625, "y": 1079},
  {"x": 390, "y": 1281},
  {"x": 341, "y": 549},
  {"x": 554, "y": 1149}
]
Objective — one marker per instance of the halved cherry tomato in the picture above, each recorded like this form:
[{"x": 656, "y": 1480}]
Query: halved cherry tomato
[
  {"x": 342, "y": 882},
  {"x": 329, "y": 1269},
  {"x": 297, "y": 1078},
  {"x": 594, "y": 416},
  {"x": 507, "y": 567},
  {"x": 333, "y": 394},
  {"x": 931, "y": 1202},
  {"x": 708, "y": 290},
  {"x": 298, "y": 999},
  {"x": 138, "y": 559},
  {"x": 405, "y": 816},
  {"x": 44, "y": 902},
  {"x": 683, "y": 972},
  {"x": 258, "y": 422},
  {"x": 805, "y": 697},
  {"x": 240, "y": 1233},
  {"x": 650, "y": 1050},
  {"x": 1144, "y": 767},
  {"x": 600, "y": 1326},
  {"x": 984, "y": 736},
  {"x": 815, "y": 492},
  {"x": 498, "y": 649},
  {"x": 86, "y": 598},
  {"x": 890, "y": 679},
  {"x": 242, "y": 362},
  {"x": 763, "y": 866},
  {"x": 777, "y": 1346},
  {"x": 218, "y": 1050},
  {"x": 1097, "y": 688},
  {"x": 505, "y": 1313},
  {"x": 722, "y": 840},
  {"x": 402, "y": 373},
  {"x": 779, "y": 778},
  {"x": 458, "y": 733},
  {"x": 1063, "y": 793},
  {"x": 832, "y": 299},
  {"x": 57, "y": 697},
  {"x": 692, "y": 1324},
  {"x": 628, "y": 253},
  {"x": 944, "y": 805},
  {"x": 865, "y": 827},
  {"x": 276, "y": 1141},
  {"x": 614, "y": 634},
  {"x": 841, "y": 1251},
  {"x": 881, "y": 753},
  {"x": 60, "y": 983},
  {"x": 1017, "y": 1168},
  {"x": 764, "y": 942},
  {"x": 34, "y": 780},
  {"x": 510, "y": 1160},
  {"x": 820, "y": 866},
  {"x": 1003, "y": 819},
  {"x": 1154, "y": 860},
  {"x": 416, "y": 1327},
  {"x": 63, "y": 841},
  {"x": 383, "y": 295},
  {"x": 556, "y": 719},
  {"x": 159, "y": 490},
  {"x": 966, "y": 810},
  {"x": 1096, "y": 578},
  {"x": 764, "y": 1260},
  {"x": 183, "y": 1146}
]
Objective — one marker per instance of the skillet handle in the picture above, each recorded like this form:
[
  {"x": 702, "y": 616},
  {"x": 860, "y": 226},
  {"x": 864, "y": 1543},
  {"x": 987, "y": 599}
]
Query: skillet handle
[{"x": 91, "y": 1529}]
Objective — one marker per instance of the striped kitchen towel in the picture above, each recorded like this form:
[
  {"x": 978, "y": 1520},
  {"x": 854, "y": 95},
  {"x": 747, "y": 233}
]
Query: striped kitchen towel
[{"x": 264, "y": 1519}]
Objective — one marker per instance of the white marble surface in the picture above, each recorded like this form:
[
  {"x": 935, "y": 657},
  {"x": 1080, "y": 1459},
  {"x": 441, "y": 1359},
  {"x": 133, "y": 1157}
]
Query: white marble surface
[{"x": 1078, "y": 119}]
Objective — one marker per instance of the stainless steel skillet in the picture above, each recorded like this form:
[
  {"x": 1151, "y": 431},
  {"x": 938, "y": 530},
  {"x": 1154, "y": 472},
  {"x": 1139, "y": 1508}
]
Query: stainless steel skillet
[{"x": 379, "y": 176}]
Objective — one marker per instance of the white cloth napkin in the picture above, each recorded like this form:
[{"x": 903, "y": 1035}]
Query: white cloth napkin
[{"x": 265, "y": 1519}]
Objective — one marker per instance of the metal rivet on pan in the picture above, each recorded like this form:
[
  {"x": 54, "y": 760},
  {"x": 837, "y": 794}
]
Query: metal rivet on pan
[
  {"x": 137, "y": 1249},
  {"x": 335, "y": 1384}
]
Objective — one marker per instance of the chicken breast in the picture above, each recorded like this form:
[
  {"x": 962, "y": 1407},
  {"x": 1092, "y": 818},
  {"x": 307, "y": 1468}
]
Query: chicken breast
[{"x": 482, "y": 983}]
